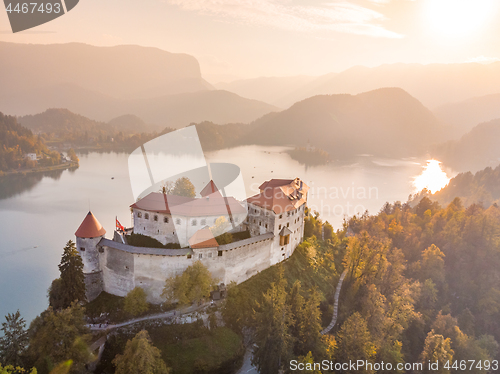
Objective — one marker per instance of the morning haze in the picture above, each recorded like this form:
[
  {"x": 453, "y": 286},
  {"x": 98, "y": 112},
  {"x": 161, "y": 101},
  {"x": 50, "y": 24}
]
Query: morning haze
[{"x": 340, "y": 202}]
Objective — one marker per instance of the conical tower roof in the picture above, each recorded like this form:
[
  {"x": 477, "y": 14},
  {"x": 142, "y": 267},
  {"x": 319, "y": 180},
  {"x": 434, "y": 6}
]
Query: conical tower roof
[{"x": 90, "y": 227}]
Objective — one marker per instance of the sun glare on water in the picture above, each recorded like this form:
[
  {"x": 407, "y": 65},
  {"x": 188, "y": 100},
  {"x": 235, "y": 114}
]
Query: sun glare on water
[{"x": 433, "y": 177}]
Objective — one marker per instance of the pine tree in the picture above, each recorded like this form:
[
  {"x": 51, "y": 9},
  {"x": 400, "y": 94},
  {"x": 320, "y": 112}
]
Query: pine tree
[
  {"x": 14, "y": 341},
  {"x": 310, "y": 339},
  {"x": 272, "y": 335},
  {"x": 72, "y": 278},
  {"x": 140, "y": 357}
]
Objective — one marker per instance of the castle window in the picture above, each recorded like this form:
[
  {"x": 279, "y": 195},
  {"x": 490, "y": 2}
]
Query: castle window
[
  {"x": 165, "y": 219},
  {"x": 194, "y": 222},
  {"x": 260, "y": 223},
  {"x": 178, "y": 221},
  {"x": 279, "y": 228},
  {"x": 189, "y": 256},
  {"x": 219, "y": 253},
  {"x": 139, "y": 215},
  {"x": 281, "y": 216},
  {"x": 266, "y": 225},
  {"x": 82, "y": 249},
  {"x": 210, "y": 255},
  {"x": 284, "y": 240},
  {"x": 203, "y": 222},
  {"x": 155, "y": 217},
  {"x": 146, "y": 216},
  {"x": 288, "y": 224},
  {"x": 200, "y": 256}
]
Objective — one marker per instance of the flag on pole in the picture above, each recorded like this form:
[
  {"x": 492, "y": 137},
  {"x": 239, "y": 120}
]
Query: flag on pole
[{"x": 119, "y": 225}]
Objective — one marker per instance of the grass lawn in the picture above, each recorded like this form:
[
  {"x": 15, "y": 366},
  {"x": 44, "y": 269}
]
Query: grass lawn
[{"x": 195, "y": 349}]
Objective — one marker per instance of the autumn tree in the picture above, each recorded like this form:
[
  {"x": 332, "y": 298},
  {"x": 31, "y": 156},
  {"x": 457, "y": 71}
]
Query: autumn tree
[
  {"x": 9, "y": 369},
  {"x": 310, "y": 338},
  {"x": 140, "y": 357},
  {"x": 193, "y": 285},
  {"x": 272, "y": 336},
  {"x": 14, "y": 341},
  {"x": 135, "y": 302},
  {"x": 184, "y": 187},
  {"x": 59, "y": 336},
  {"x": 354, "y": 342},
  {"x": 436, "y": 349}
]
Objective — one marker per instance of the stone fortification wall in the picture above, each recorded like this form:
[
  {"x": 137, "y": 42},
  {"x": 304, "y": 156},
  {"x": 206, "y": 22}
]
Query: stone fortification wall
[{"x": 125, "y": 267}]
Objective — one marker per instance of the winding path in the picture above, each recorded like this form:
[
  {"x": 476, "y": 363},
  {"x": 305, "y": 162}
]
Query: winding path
[
  {"x": 336, "y": 304},
  {"x": 169, "y": 314}
]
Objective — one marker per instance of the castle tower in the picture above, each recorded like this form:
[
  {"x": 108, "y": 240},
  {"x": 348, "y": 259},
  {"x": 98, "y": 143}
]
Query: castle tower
[{"x": 88, "y": 236}]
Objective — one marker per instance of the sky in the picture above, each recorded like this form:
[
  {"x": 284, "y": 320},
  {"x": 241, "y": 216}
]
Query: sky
[{"x": 239, "y": 39}]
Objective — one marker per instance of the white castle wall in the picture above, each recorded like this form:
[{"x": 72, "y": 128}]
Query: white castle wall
[
  {"x": 175, "y": 228},
  {"x": 122, "y": 271},
  {"x": 259, "y": 217}
]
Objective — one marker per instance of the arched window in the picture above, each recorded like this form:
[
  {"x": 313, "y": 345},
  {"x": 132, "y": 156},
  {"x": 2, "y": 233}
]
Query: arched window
[
  {"x": 194, "y": 222},
  {"x": 146, "y": 216},
  {"x": 155, "y": 217},
  {"x": 139, "y": 215},
  {"x": 165, "y": 219}
]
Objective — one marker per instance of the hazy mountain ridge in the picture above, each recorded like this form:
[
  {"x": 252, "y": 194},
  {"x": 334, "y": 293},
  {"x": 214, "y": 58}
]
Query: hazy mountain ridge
[
  {"x": 433, "y": 84},
  {"x": 268, "y": 89},
  {"x": 101, "y": 83},
  {"x": 474, "y": 151},
  {"x": 464, "y": 115},
  {"x": 169, "y": 110},
  {"x": 119, "y": 71},
  {"x": 386, "y": 121}
]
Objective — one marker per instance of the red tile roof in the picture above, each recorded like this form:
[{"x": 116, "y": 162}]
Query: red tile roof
[
  {"x": 90, "y": 228},
  {"x": 203, "y": 239},
  {"x": 211, "y": 205},
  {"x": 275, "y": 183},
  {"x": 281, "y": 195}
]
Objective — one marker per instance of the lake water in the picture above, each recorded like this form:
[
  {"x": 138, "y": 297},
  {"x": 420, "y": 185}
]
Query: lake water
[{"x": 39, "y": 214}]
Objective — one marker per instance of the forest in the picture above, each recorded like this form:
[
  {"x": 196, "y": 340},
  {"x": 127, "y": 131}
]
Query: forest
[
  {"x": 17, "y": 141},
  {"x": 421, "y": 284},
  {"x": 483, "y": 187}
]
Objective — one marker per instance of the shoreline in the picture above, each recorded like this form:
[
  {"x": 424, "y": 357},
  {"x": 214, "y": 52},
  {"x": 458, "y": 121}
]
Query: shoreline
[{"x": 63, "y": 166}]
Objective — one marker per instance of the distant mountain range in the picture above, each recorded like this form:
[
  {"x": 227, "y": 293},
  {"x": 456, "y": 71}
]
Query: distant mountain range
[
  {"x": 476, "y": 150},
  {"x": 126, "y": 71},
  {"x": 102, "y": 83},
  {"x": 61, "y": 122},
  {"x": 386, "y": 121},
  {"x": 434, "y": 84},
  {"x": 464, "y": 115}
]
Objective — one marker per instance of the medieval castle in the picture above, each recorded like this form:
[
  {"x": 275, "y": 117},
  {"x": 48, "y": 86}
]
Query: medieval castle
[{"x": 274, "y": 218}]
